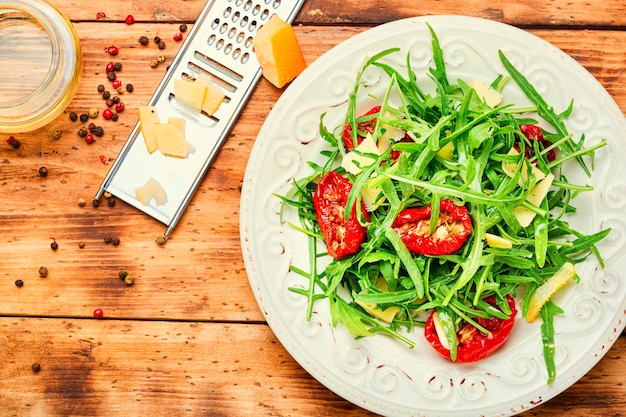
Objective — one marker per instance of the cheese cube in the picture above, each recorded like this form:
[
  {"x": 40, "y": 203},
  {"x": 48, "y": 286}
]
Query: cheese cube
[
  {"x": 148, "y": 117},
  {"x": 152, "y": 190},
  {"x": 278, "y": 52}
]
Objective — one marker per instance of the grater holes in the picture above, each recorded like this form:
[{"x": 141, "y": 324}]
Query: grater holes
[
  {"x": 236, "y": 16},
  {"x": 244, "y": 21},
  {"x": 240, "y": 37},
  {"x": 248, "y": 5},
  {"x": 238, "y": 3},
  {"x": 252, "y": 26},
  {"x": 228, "y": 49},
  {"x": 227, "y": 12},
  {"x": 236, "y": 53},
  {"x": 248, "y": 42},
  {"x": 215, "y": 23},
  {"x": 212, "y": 39},
  {"x": 276, "y": 4},
  {"x": 265, "y": 14},
  {"x": 245, "y": 57},
  {"x": 223, "y": 28},
  {"x": 232, "y": 32},
  {"x": 256, "y": 10},
  {"x": 213, "y": 64}
]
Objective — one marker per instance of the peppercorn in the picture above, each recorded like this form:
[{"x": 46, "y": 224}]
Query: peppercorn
[
  {"x": 98, "y": 313},
  {"x": 182, "y": 28},
  {"x": 157, "y": 40},
  {"x": 100, "y": 88},
  {"x": 161, "y": 240},
  {"x": 84, "y": 117},
  {"x": 129, "y": 280},
  {"x": 129, "y": 88},
  {"x": 19, "y": 283},
  {"x": 13, "y": 142},
  {"x": 56, "y": 133},
  {"x": 114, "y": 117},
  {"x": 111, "y": 75},
  {"x": 120, "y": 90},
  {"x": 129, "y": 19},
  {"x": 113, "y": 50},
  {"x": 108, "y": 239},
  {"x": 89, "y": 139},
  {"x": 95, "y": 202},
  {"x": 116, "y": 99},
  {"x": 119, "y": 107},
  {"x": 143, "y": 40},
  {"x": 122, "y": 274},
  {"x": 81, "y": 202},
  {"x": 73, "y": 116},
  {"x": 81, "y": 244},
  {"x": 93, "y": 112},
  {"x": 36, "y": 367},
  {"x": 43, "y": 171},
  {"x": 178, "y": 36},
  {"x": 161, "y": 45},
  {"x": 109, "y": 67},
  {"x": 111, "y": 201},
  {"x": 82, "y": 132},
  {"x": 98, "y": 131},
  {"x": 115, "y": 241},
  {"x": 161, "y": 58},
  {"x": 43, "y": 271},
  {"x": 116, "y": 84},
  {"x": 54, "y": 245},
  {"x": 117, "y": 66},
  {"x": 109, "y": 103},
  {"x": 154, "y": 63},
  {"x": 106, "y": 95}
]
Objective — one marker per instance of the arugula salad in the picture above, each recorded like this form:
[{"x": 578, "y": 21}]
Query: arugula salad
[{"x": 443, "y": 213}]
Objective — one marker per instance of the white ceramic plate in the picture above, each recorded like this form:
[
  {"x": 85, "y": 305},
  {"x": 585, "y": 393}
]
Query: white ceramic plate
[{"x": 383, "y": 375}]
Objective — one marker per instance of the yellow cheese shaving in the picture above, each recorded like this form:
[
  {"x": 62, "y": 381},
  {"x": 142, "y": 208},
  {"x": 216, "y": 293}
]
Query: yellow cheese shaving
[{"x": 152, "y": 190}]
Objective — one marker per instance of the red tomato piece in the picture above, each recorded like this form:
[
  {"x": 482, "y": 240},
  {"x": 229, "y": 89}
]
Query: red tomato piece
[
  {"x": 453, "y": 227},
  {"x": 366, "y": 126},
  {"x": 330, "y": 198},
  {"x": 472, "y": 344},
  {"x": 532, "y": 133}
]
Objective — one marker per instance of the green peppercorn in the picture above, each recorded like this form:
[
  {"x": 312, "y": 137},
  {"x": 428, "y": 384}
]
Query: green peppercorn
[
  {"x": 81, "y": 202},
  {"x": 120, "y": 90},
  {"x": 129, "y": 280},
  {"x": 160, "y": 240},
  {"x": 93, "y": 112},
  {"x": 154, "y": 63},
  {"x": 56, "y": 133},
  {"x": 161, "y": 58},
  {"x": 43, "y": 271},
  {"x": 36, "y": 367},
  {"x": 73, "y": 116},
  {"x": 43, "y": 171},
  {"x": 122, "y": 274},
  {"x": 19, "y": 283},
  {"x": 143, "y": 40}
]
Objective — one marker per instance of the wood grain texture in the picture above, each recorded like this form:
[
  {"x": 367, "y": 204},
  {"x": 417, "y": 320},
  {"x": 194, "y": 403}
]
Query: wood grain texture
[{"x": 188, "y": 338}]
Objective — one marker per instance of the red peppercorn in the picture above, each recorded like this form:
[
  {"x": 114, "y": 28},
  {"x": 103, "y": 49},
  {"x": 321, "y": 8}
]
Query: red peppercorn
[
  {"x": 116, "y": 84},
  {"x": 113, "y": 50},
  {"x": 89, "y": 138},
  {"x": 129, "y": 19},
  {"x": 98, "y": 313},
  {"x": 110, "y": 67},
  {"x": 107, "y": 114},
  {"x": 100, "y": 15},
  {"x": 119, "y": 107},
  {"x": 178, "y": 36}
]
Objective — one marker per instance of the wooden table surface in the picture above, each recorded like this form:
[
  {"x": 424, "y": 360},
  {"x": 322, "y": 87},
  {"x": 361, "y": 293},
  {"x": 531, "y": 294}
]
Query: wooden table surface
[{"x": 188, "y": 339}]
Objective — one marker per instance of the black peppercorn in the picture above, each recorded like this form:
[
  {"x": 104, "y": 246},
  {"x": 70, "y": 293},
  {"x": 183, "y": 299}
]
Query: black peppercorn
[
  {"x": 182, "y": 28},
  {"x": 95, "y": 203},
  {"x": 111, "y": 201},
  {"x": 43, "y": 171},
  {"x": 82, "y": 132},
  {"x": 111, "y": 75},
  {"x": 106, "y": 95},
  {"x": 19, "y": 283},
  {"x": 157, "y": 39},
  {"x": 84, "y": 117},
  {"x": 54, "y": 245},
  {"x": 117, "y": 66},
  {"x": 129, "y": 88},
  {"x": 115, "y": 99},
  {"x": 73, "y": 116},
  {"x": 143, "y": 40},
  {"x": 98, "y": 131},
  {"x": 100, "y": 88},
  {"x": 115, "y": 241},
  {"x": 161, "y": 45},
  {"x": 108, "y": 239},
  {"x": 43, "y": 271},
  {"x": 36, "y": 367},
  {"x": 115, "y": 116}
]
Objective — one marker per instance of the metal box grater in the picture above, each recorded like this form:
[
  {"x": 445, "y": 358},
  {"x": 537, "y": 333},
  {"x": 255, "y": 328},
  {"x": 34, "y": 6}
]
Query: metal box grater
[{"x": 219, "y": 44}]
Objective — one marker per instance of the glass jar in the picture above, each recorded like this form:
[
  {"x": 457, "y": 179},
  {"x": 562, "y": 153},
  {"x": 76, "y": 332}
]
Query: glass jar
[{"x": 40, "y": 64}]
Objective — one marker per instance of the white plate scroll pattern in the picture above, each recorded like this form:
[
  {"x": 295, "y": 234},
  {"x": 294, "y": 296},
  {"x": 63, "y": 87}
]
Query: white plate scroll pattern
[{"x": 383, "y": 375}]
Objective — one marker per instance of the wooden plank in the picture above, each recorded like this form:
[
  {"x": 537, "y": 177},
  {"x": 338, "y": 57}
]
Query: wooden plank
[
  {"x": 533, "y": 13},
  {"x": 137, "y": 368}
]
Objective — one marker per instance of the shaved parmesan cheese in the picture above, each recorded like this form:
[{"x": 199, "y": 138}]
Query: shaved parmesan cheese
[
  {"x": 152, "y": 190},
  {"x": 356, "y": 159},
  {"x": 535, "y": 196},
  {"x": 548, "y": 288},
  {"x": 372, "y": 197},
  {"x": 441, "y": 334},
  {"x": 510, "y": 168},
  {"x": 495, "y": 241},
  {"x": 386, "y": 315},
  {"x": 447, "y": 151},
  {"x": 487, "y": 94}
]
